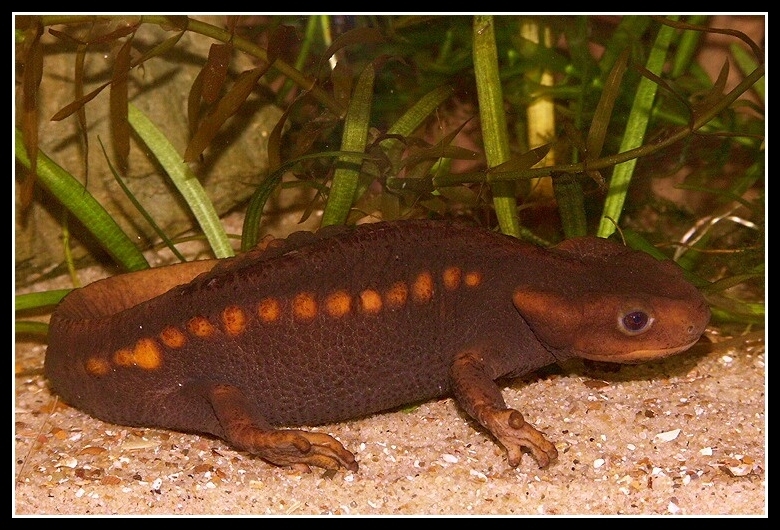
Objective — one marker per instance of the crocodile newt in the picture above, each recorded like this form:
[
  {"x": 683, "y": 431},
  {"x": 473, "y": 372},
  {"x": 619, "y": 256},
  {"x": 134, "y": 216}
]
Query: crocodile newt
[{"x": 347, "y": 322}]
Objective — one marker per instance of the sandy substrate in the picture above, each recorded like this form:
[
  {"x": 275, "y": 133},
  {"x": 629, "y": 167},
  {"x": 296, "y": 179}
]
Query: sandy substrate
[{"x": 681, "y": 436}]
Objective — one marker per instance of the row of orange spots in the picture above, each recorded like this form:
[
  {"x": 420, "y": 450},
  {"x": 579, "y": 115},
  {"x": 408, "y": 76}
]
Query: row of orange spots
[{"x": 147, "y": 353}]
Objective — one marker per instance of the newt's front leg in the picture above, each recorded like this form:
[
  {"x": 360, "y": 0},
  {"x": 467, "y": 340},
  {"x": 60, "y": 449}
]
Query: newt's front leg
[
  {"x": 279, "y": 446},
  {"x": 478, "y": 394}
]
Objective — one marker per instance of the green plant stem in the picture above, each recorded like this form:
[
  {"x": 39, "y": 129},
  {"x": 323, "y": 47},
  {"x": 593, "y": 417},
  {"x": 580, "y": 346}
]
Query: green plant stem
[
  {"x": 493, "y": 119},
  {"x": 634, "y": 135},
  {"x": 354, "y": 137}
]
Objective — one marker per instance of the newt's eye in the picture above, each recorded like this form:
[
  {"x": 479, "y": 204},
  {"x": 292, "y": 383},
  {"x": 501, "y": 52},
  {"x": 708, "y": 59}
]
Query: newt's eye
[{"x": 635, "y": 322}]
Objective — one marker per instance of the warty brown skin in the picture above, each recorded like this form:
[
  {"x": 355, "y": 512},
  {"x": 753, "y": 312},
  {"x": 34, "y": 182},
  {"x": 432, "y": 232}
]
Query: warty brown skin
[{"x": 349, "y": 322}]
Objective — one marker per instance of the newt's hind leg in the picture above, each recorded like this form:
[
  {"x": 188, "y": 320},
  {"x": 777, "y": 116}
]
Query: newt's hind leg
[{"x": 279, "y": 446}]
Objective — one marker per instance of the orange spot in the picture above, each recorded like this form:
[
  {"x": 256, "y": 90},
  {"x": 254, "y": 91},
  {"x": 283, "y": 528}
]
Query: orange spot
[
  {"x": 147, "y": 354},
  {"x": 451, "y": 278},
  {"x": 268, "y": 310},
  {"x": 338, "y": 304},
  {"x": 124, "y": 357},
  {"x": 396, "y": 295},
  {"x": 173, "y": 337},
  {"x": 370, "y": 302},
  {"x": 422, "y": 289},
  {"x": 96, "y": 366},
  {"x": 200, "y": 327},
  {"x": 304, "y": 306},
  {"x": 473, "y": 279},
  {"x": 234, "y": 320}
]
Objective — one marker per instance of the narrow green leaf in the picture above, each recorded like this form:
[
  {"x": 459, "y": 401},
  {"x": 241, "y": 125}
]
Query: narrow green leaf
[
  {"x": 417, "y": 113},
  {"x": 411, "y": 120},
  {"x": 79, "y": 202},
  {"x": 634, "y": 134},
  {"x": 250, "y": 235},
  {"x": 738, "y": 312},
  {"x": 688, "y": 46},
  {"x": 23, "y": 302},
  {"x": 493, "y": 119},
  {"x": 31, "y": 328},
  {"x": 489, "y": 92},
  {"x": 185, "y": 181},
  {"x": 354, "y": 137}
]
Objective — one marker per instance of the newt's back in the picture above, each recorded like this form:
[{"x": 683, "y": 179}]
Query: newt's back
[{"x": 324, "y": 328}]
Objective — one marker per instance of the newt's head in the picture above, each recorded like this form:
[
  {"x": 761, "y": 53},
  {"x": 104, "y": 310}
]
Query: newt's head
[{"x": 605, "y": 302}]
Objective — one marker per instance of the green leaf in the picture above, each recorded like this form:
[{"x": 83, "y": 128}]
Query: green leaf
[
  {"x": 354, "y": 138},
  {"x": 23, "y": 302},
  {"x": 78, "y": 201},
  {"x": 493, "y": 119},
  {"x": 185, "y": 181},
  {"x": 634, "y": 135}
]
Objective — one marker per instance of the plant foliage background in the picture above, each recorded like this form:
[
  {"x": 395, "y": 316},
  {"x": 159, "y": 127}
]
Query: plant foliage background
[{"x": 145, "y": 130}]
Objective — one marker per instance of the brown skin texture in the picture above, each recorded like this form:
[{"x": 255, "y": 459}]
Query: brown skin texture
[{"x": 327, "y": 327}]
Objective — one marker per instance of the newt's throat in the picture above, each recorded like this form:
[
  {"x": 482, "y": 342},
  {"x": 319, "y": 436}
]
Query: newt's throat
[{"x": 636, "y": 356}]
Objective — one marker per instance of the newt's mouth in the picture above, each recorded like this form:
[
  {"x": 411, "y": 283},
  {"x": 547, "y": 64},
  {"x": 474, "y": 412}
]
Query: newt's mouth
[{"x": 637, "y": 356}]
